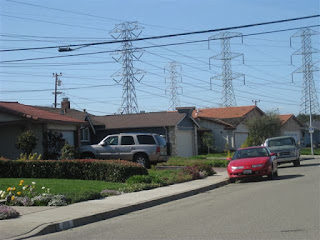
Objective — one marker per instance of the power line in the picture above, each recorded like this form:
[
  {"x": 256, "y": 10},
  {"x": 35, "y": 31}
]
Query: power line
[{"x": 186, "y": 34}]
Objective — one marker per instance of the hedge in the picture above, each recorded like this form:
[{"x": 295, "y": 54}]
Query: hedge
[{"x": 85, "y": 169}]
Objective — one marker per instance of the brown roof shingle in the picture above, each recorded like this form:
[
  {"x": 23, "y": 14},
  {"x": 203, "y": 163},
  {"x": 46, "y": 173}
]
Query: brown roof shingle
[
  {"x": 34, "y": 113},
  {"x": 141, "y": 120},
  {"x": 223, "y": 113}
]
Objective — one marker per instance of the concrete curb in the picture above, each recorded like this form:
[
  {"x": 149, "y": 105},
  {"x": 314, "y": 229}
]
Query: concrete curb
[{"x": 61, "y": 226}]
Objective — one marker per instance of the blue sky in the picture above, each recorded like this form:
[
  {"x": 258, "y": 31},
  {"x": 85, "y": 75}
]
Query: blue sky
[{"x": 87, "y": 80}]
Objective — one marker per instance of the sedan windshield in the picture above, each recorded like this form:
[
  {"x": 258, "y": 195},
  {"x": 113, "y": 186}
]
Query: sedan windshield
[{"x": 250, "y": 153}]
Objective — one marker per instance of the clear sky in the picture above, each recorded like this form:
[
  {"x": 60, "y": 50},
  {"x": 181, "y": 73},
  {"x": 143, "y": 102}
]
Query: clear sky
[{"x": 87, "y": 80}]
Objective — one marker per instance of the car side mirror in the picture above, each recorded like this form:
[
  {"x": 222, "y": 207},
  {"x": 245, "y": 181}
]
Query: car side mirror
[
  {"x": 103, "y": 143},
  {"x": 229, "y": 159},
  {"x": 273, "y": 154}
]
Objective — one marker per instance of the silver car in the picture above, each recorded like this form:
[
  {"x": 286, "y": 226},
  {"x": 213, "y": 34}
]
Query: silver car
[{"x": 143, "y": 148}]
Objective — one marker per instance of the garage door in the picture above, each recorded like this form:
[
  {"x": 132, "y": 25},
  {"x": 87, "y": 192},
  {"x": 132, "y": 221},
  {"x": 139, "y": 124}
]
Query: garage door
[
  {"x": 239, "y": 139},
  {"x": 68, "y": 136},
  {"x": 184, "y": 143}
]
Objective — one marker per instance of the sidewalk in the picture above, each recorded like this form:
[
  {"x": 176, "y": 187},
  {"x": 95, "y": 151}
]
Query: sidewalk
[{"x": 44, "y": 220}]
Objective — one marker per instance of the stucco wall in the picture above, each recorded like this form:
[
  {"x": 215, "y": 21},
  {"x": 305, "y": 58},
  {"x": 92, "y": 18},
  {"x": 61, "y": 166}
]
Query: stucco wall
[{"x": 9, "y": 135}]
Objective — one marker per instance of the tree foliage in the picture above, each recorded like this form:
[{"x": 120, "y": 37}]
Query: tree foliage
[
  {"x": 208, "y": 140},
  {"x": 261, "y": 128},
  {"x": 26, "y": 142},
  {"x": 305, "y": 118}
]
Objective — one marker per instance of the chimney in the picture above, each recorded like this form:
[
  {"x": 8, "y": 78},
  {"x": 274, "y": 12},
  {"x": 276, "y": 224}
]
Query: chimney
[
  {"x": 65, "y": 105},
  {"x": 187, "y": 110}
]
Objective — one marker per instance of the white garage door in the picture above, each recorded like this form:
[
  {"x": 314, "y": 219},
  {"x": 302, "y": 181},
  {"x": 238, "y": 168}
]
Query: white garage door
[
  {"x": 184, "y": 143},
  {"x": 68, "y": 136},
  {"x": 239, "y": 139}
]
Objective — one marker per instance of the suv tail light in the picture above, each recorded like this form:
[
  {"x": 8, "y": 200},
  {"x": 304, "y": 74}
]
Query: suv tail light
[{"x": 158, "y": 150}]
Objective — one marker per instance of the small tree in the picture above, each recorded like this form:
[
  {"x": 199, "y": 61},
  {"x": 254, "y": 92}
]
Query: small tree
[
  {"x": 208, "y": 141},
  {"x": 261, "y": 128},
  {"x": 55, "y": 143},
  {"x": 27, "y": 142}
]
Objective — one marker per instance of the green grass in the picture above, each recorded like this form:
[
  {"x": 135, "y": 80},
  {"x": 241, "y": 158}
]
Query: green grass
[
  {"x": 307, "y": 151},
  {"x": 81, "y": 190}
]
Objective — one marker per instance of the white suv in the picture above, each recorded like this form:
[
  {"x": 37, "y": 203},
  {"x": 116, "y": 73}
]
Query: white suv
[{"x": 143, "y": 148}]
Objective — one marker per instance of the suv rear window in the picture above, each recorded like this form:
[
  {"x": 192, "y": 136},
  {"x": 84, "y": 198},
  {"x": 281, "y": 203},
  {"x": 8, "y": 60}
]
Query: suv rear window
[{"x": 146, "y": 139}]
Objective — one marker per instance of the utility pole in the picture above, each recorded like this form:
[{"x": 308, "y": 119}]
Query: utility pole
[
  {"x": 174, "y": 87},
  {"x": 309, "y": 99},
  {"x": 255, "y": 101},
  {"x": 56, "y": 84},
  {"x": 127, "y": 31},
  {"x": 228, "y": 97}
]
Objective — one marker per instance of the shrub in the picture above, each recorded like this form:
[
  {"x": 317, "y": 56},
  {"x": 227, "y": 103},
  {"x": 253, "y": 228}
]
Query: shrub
[
  {"x": 88, "y": 169},
  {"x": 26, "y": 142},
  {"x": 68, "y": 152},
  {"x": 7, "y": 212},
  {"x": 199, "y": 171},
  {"x": 144, "y": 179}
]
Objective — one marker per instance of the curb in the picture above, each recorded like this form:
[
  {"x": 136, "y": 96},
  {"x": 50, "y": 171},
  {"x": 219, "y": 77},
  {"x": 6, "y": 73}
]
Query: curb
[{"x": 61, "y": 226}]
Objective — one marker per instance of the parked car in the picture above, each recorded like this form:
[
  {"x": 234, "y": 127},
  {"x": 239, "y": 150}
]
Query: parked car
[
  {"x": 143, "y": 148},
  {"x": 286, "y": 149},
  {"x": 252, "y": 162}
]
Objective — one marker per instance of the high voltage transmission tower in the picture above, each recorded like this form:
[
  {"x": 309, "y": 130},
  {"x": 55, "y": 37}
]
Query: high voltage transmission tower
[
  {"x": 309, "y": 99},
  {"x": 228, "y": 97},
  {"x": 174, "y": 88},
  {"x": 127, "y": 74}
]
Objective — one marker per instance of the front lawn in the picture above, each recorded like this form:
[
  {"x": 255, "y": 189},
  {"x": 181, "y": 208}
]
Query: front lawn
[
  {"x": 201, "y": 159},
  {"x": 307, "y": 151},
  {"x": 82, "y": 190}
]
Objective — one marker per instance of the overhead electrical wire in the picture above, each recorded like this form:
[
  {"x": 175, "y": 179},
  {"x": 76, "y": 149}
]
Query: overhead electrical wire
[{"x": 185, "y": 34}]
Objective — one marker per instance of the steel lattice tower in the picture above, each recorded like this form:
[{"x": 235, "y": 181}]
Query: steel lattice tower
[
  {"x": 174, "y": 87},
  {"x": 309, "y": 99},
  {"x": 126, "y": 32},
  {"x": 228, "y": 97}
]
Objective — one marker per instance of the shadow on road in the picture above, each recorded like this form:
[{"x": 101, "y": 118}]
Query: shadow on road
[
  {"x": 303, "y": 164},
  {"x": 285, "y": 177}
]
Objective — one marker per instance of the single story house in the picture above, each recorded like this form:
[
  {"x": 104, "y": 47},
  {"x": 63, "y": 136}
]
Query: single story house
[
  {"x": 227, "y": 124},
  {"x": 291, "y": 126},
  {"x": 305, "y": 141},
  {"x": 177, "y": 127},
  {"x": 16, "y": 118}
]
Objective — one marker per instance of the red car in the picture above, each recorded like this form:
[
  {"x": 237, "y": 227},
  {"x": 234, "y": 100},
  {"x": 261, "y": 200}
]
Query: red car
[{"x": 252, "y": 162}]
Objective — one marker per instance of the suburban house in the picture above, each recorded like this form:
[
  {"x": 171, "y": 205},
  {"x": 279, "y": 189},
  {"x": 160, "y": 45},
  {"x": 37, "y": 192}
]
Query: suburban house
[
  {"x": 87, "y": 130},
  {"x": 291, "y": 126},
  {"x": 15, "y": 118},
  {"x": 177, "y": 127},
  {"x": 227, "y": 124}
]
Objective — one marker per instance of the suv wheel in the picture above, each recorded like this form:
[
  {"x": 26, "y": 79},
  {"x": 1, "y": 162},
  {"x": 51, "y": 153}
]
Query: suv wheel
[{"x": 142, "y": 159}]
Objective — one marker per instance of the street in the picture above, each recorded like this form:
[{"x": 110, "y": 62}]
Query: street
[{"x": 285, "y": 208}]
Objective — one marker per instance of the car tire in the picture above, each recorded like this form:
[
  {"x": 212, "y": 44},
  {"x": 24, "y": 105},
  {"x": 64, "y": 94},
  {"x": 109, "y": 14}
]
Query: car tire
[
  {"x": 296, "y": 163},
  {"x": 142, "y": 159},
  {"x": 87, "y": 155},
  {"x": 232, "y": 180},
  {"x": 271, "y": 176}
]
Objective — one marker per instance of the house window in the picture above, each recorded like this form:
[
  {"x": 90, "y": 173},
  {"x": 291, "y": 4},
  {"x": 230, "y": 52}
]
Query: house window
[{"x": 85, "y": 135}]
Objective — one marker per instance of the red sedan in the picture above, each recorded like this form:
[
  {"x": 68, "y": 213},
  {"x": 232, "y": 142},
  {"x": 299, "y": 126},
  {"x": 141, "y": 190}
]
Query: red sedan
[{"x": 252, "y": 162}]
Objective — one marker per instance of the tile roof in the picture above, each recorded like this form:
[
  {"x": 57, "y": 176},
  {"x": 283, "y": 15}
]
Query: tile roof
[
  {"x": 286, "y": 117},
  {"x": 34, "y": 113},
  {"x": 224, "y": 113},
  {"x": 141, "y": 120},
  {"x": 73, "y": 113}
]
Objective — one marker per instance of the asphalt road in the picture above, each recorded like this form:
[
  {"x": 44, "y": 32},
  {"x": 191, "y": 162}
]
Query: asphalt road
[{"x": 286, "y": 208}]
